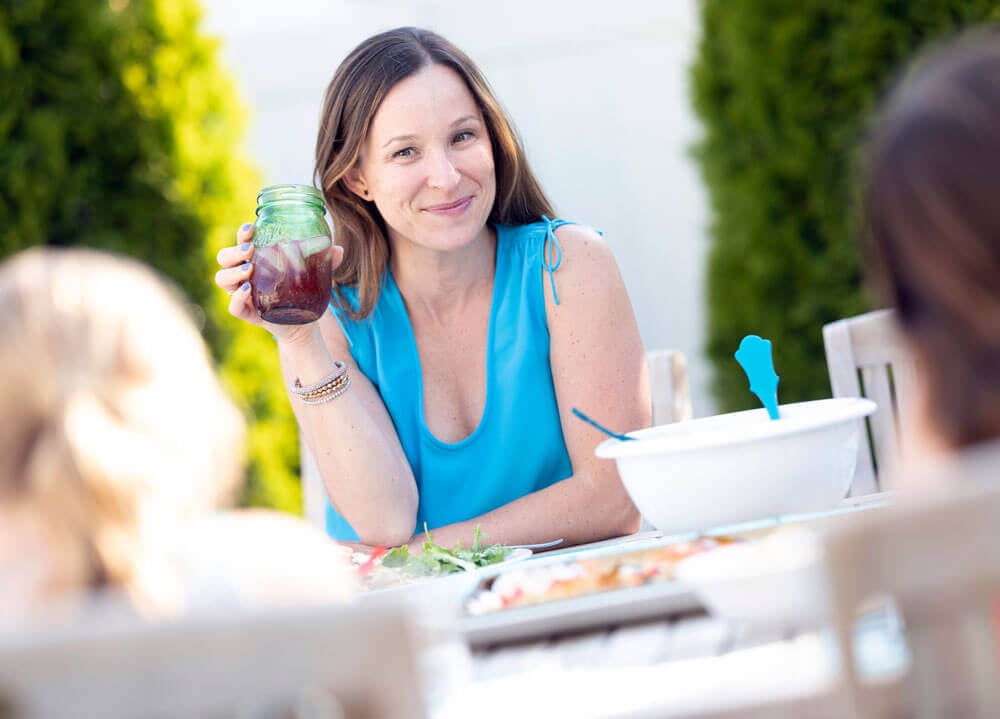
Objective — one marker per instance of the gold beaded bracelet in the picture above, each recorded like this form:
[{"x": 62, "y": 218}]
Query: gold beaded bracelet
[
  {"x": 326, "y": 389},
  {"x": 330, "y": 394}
]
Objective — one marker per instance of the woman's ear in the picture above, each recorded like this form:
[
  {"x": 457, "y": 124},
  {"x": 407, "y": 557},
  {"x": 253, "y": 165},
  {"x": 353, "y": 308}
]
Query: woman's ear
[{"x": 355, "y": 182}]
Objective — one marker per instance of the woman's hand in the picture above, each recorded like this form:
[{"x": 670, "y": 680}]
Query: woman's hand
[{"x": 236, "y": 277}]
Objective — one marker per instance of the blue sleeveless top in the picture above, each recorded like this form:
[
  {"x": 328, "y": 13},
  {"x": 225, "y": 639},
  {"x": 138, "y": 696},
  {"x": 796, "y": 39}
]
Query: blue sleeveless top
[{"x": 518, "y": 447}]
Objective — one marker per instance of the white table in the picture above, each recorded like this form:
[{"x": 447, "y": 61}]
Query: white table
[{"x": 681, "y": 664}]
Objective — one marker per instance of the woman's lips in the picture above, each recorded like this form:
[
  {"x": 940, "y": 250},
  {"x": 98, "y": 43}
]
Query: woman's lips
[{"x": 452, "y": 208}]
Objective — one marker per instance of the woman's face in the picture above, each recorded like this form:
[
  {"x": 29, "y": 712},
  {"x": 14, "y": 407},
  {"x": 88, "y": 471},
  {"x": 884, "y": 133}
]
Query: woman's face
[{"x": 427, "y": 162}]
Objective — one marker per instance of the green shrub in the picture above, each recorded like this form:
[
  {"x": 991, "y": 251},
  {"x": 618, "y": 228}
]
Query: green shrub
[
  {"x": 783, "y": 88},
  {"x": 120, "y": 130}
]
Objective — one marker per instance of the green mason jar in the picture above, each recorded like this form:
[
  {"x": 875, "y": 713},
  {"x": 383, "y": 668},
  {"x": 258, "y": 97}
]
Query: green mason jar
[{"x": 292, "y": 255}]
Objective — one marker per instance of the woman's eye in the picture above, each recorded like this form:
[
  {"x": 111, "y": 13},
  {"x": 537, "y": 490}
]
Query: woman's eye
[
  {"x": 463, "y": 136},
  {"x": 405, "y": 153}
]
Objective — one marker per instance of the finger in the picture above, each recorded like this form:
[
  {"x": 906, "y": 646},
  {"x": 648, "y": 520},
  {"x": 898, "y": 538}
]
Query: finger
[
  {"x": 336, "y": 256},
  {"x": 231, "y": 278},
  {"x": 234, "y": 255},
  {"x": 241, "y": 305},
  {"x": 242, "y": 250},
  {"x": 245, "y": 233}
]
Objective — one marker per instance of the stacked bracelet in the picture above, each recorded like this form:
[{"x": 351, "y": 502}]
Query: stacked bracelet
[{"x": 328, "y": 388}]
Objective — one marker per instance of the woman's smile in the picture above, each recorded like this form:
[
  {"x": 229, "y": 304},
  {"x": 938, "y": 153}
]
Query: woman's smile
[{"x": 451, "y": 209}]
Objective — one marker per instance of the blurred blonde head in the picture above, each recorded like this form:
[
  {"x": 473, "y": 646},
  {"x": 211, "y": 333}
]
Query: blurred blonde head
[{"x": 113, "y": 425}]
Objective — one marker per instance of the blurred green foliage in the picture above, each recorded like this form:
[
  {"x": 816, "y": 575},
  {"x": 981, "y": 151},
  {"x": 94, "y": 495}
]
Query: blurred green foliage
[
  {"x": 784, "y": 89},
  {"x": 121, "y": 130}
]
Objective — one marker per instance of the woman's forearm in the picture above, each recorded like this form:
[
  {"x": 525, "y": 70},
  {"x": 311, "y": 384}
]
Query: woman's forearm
[
  {"x": 587, "y": 507},
  {"x": 364, "y": 469}
]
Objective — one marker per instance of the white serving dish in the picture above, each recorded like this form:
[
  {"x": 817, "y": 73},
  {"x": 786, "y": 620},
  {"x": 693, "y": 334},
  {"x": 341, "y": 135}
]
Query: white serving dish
[
  {"x": 580, "y": 613},
  {"x": 731, "y": 468},
  {"x": 776, "y": 582}
]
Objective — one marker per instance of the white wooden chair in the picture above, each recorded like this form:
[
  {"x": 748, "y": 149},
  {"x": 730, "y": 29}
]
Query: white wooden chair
[
  {"x": 668, "y": 386},
  {"x": 671, "y": 402},
  {"x": 345, "y": 662},
  {"x": 937, "y": 559},
  {"x": 866, "y": 357}
]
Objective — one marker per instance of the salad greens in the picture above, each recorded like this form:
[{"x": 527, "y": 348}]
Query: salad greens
[{"x": 437, "y": 560}]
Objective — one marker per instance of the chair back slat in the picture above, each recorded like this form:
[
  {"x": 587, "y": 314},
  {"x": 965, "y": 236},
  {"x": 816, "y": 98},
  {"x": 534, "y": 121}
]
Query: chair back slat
[
  {"x": 845, "y": 382},
  {"x": 359, "y": 660},
  {"x": 876, "y": 339},
  {"x": 904, "y": 381},
  {"x": 867, "y": 357},
  {"x": 937, "y": 560},
  {"x": 875, "y": 381},
  {"x": 668, "y": 386}
]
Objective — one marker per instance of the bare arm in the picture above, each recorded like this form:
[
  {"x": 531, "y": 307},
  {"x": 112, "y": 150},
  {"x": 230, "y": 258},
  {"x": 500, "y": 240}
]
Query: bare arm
[
  {"x": 352, "y": 438},
  {"x": 598, "y": 365},
  {"x": 357, "y": 450}
]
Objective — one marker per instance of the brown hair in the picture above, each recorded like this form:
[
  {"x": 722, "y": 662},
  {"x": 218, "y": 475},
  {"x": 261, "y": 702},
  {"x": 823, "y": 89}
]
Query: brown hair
[
  {"x": 353, "y": 97},
  {"x": 932, "y": 227},
  {"x": 113, "y": 425}
]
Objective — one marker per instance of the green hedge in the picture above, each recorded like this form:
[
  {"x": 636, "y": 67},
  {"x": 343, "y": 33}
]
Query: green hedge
[
  {"x": 783, "y": 88},
  {"x": 120, "y": 130}
]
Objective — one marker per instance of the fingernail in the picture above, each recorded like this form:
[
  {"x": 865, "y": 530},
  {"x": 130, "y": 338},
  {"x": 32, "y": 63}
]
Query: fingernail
[
  {"x": 245, "y": 227},
  {"x": 245, "y": 286},
  {"x": 245, "y": 266},
  {"x": 245, "y": 246}
]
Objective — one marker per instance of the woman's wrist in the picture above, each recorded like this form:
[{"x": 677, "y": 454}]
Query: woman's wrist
[
  {"x": 299, "y": 337},
  {"x": 305, "y": 356}
]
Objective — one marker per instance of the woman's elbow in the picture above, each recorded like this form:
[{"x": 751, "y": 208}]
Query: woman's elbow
[
  {"x": 389, "y": 532},
  {"x": 629, "y": 519},
  {"x": 623, "y": 516}
]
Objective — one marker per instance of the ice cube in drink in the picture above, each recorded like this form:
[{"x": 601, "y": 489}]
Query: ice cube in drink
[{"x": 291, "y": 280}]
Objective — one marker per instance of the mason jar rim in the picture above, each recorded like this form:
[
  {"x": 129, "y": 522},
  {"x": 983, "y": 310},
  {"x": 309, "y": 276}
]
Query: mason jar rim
[{"x": 290, "y": 193}]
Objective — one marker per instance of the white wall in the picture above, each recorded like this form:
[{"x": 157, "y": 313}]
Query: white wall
[{"x": 599, "y": 93}]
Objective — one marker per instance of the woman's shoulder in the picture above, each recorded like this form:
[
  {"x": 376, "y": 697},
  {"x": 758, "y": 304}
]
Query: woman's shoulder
[
  {"x": 577, "y": 235},
  {"x": 535, "y": 234},
  {"x": 586, "y": 265}
]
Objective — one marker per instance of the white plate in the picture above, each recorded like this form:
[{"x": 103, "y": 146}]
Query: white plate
[{"x": 616, "y": 606}]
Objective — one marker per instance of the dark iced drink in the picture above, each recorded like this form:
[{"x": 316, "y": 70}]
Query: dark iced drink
[{"x": 291, "y": 280}]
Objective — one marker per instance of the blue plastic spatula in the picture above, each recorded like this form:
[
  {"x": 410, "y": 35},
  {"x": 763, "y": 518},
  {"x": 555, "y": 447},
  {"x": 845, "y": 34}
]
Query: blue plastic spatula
[{"x": 754, "y": 356}]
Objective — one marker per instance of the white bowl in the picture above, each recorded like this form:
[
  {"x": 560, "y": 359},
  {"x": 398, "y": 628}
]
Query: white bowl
[
  {"x": 706, "y": 473},
  {"x": 777, "y": 582}
]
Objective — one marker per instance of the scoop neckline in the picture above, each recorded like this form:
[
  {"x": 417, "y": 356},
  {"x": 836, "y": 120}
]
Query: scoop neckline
[{"x": 499, "y": 279}]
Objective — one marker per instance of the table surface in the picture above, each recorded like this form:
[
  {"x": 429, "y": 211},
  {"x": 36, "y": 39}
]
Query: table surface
[{"x": 665, "y": 642}]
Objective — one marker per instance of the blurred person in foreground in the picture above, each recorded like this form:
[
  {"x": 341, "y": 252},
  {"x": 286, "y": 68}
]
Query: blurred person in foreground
[
  {"x": 932, "y": 229},
  {"x": 116, "y": 443}
]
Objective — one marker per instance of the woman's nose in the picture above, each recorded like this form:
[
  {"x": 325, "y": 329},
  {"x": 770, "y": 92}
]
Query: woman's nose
[{"x": 441, "y": 171}]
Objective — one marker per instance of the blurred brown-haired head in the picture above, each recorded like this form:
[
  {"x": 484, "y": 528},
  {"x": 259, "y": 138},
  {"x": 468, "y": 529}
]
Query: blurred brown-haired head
[
  {"x": 113, "y": 425},
  {"x": 932, "y": 228},
  {"x": 353, "y": 97}
]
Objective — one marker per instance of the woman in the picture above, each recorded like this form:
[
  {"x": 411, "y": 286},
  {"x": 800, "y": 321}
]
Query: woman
[
  {"x": 116, "y": 443},
  {"x": 933, "y": 230},
  {"x": 471, "y": 323}
]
